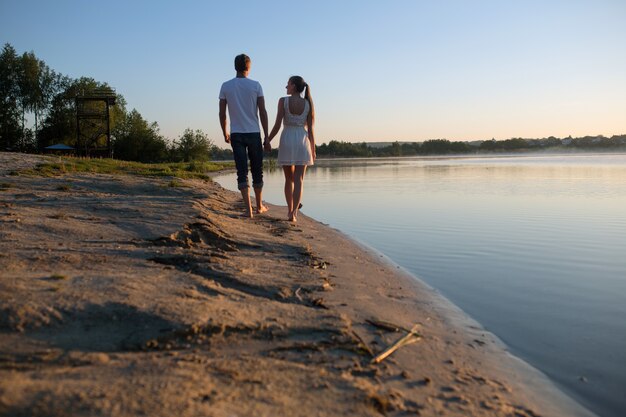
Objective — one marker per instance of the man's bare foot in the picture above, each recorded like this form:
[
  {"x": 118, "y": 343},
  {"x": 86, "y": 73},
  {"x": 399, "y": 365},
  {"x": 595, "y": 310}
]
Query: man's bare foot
[
  {"x": 262, "y": 209},
  {"x": 247, "y": 214}
]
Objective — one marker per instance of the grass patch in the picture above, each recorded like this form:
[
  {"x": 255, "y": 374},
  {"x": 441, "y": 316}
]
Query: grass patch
[
  {"x": 57, "y": 277},
  {"x": 5, "y": 186},
  {"x": 64, "y": 187},
  {"x": 175, "y": 184},
  {"x": 66, "y": 165}
]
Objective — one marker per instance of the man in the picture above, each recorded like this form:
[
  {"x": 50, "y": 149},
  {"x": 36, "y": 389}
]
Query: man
[{"x": 245, "y": 102}]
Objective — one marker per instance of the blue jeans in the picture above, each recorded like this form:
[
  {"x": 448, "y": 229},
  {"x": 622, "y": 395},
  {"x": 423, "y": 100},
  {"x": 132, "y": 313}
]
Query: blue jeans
[{"x": 248, "y": 145}]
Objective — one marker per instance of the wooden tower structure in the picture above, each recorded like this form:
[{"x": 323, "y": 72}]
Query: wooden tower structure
[{"x": 93, "y": 122}]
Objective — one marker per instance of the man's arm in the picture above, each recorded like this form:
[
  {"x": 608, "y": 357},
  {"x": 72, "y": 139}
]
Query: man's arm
[
  {"x": 260, "y": 103},
  {"x": 223, "y": 120}
]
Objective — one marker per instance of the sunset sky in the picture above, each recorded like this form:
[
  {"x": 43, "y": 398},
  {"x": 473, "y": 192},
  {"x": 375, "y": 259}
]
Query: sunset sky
[{"x": 379, "y": 71}]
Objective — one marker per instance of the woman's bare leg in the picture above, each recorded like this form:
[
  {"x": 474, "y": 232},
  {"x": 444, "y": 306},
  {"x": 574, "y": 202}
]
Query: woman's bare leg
[
  {"x": 288, "y": 170},
  {"x": 298, "y": 189}
]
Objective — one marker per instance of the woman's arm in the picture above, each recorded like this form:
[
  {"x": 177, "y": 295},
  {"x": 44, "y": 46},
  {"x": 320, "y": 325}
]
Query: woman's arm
[
  {"x": 279, "y": 119},
  {"x": 309, "y": 123}
]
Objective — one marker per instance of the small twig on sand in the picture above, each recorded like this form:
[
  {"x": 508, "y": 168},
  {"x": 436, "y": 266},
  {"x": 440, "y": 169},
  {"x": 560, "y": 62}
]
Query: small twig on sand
[
  {"x": 407, "y": 339},
  {"x": 386, "y": 325},
  {"x": 297, "y": 294},
  {"x": 362, "y": 343}
]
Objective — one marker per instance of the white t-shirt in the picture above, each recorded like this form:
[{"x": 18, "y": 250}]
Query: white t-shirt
[{"x": 241, "y": 96}]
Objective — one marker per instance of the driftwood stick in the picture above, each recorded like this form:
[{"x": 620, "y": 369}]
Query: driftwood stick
[{"x": 407, "y": 339}]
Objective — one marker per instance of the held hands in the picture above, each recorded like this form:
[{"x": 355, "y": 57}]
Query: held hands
[{"x": 266, "y": 145}]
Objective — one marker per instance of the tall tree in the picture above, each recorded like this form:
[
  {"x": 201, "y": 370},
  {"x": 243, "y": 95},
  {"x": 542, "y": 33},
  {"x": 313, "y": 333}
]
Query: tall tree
[
  {"x": 37, "y": 84},
  {"x": 28, "y": 83},
  {"x": 49, "y": 84},
  {"x": 10, "y": 132}
]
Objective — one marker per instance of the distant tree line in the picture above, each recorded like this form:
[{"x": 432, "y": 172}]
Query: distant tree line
[
  {"x": 342, "y": 149},
  {"x": 29, "y": 87}
]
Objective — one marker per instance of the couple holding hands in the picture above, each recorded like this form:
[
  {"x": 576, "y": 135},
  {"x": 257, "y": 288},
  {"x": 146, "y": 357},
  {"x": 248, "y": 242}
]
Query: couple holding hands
[{"x": 244, "y": 100}]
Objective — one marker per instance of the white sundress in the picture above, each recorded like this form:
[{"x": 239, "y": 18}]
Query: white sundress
[{"x": 294, "y": 147}]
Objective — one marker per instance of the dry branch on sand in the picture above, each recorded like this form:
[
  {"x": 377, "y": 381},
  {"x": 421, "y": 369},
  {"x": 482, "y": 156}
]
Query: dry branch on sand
[{"x": 411, "y": 337}]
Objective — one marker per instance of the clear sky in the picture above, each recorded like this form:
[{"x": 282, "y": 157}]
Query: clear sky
[{"x": 405, "y": 70}]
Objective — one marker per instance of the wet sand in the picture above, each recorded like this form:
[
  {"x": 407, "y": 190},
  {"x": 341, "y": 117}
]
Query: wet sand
[{"x": 125, "y": 296}]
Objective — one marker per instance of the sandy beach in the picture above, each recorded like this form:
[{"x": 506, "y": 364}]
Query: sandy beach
[{"x": 127, "y": 296}]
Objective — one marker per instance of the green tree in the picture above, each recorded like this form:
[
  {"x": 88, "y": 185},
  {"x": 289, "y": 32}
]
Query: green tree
[
  {"x": 396, "y": 150},
  {"x": 459, "y": 147},
  {"x": 514, "y": 144},
  {"x": 138, "y": 140},
  {"x": 193, "y": 146},
  {"x": 552, "y": 141},
  {"x": 219, "y": 154},
  {"x": 489, "y": 145},
  {"x": 28, "y": 83},
  {"x": 37, "y": 85},
  {"x": 10, "y": 131},
  {"x": 436, "y": 146},
  {"x": 49, "y": 84},
  {"x": 59, "y": 125}
]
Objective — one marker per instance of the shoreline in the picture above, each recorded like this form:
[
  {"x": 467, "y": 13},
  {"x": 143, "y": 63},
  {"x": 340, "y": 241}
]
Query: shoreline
[
  {"x": 122, "y": 295},
  {"x": 528, "y": 380},
  {"x": 539, "y": 385}
]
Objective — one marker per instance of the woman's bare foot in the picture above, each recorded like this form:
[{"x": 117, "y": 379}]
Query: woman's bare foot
[{"x": 293, "y": 215}]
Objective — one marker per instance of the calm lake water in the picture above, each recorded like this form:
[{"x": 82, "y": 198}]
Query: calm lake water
[{"x": 532, "y": 247}]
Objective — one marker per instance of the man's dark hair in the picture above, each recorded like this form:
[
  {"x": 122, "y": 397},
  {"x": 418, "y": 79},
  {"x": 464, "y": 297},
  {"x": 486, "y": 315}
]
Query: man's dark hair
[{"x": 242, "y": 62}]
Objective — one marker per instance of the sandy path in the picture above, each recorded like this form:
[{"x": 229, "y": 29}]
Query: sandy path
[{"x": 123, "y": 296}]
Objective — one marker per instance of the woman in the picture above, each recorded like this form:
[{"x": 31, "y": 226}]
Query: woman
[{"x": 296, "y": 149}]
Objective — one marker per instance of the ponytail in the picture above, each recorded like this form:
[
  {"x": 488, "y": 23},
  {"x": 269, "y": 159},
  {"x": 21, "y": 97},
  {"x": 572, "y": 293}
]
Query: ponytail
[{"x": 307, "y": 96}]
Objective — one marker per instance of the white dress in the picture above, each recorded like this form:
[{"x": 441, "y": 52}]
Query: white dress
[{"x": 294, "y": 147}]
